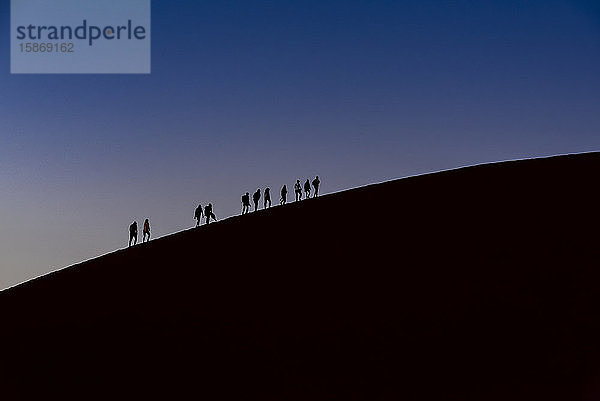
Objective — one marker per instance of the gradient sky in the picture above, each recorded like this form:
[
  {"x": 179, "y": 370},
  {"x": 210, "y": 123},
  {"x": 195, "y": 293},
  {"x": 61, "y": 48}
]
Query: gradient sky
[{"x": 252, "y": 94}]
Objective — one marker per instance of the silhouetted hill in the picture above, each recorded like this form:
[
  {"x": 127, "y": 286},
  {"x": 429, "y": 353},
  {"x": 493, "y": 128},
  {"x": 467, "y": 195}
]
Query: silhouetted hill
[{"x": 479, "y": 283}]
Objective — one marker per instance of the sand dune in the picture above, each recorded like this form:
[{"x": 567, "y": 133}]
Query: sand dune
[{"x": 478, "y": 283}]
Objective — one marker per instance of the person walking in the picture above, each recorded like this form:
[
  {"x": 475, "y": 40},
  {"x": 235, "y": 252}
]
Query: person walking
[
  {"x": 245, "y": 203},
  {"x": 283, "y": 199},
  {"x": 256, "y": 198},
  {"x": 198, "y": 215},
  {"x": 146, "y": 231},
  {"x": 208, "y": 213},
  {"x": 267, "y": 198},
  {"x": 316, "y": 182},
  {"x": 307, "y": 188},
  {"x": 133, "y": 233},
  {"x": 298, "y": 190}
]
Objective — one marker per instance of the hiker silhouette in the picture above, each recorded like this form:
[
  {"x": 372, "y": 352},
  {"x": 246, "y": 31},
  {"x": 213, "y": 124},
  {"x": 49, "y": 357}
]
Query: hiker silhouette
[
  {"x": 208, "y": 213},
  {"x": 283, "y": 199},
  {"x": 307, "y": 188},
  {"x": 256, "y": 198},
  {"x": 198, "y": 215},
  {"x": 245, "y": 203},
  {"x": 133, "y": 233},
  {"x": 267, "y": 198},
  {"x": 315, "y": 184},
  {"x": 298, "y": 190},
  {"x": 146, "y": 231}
]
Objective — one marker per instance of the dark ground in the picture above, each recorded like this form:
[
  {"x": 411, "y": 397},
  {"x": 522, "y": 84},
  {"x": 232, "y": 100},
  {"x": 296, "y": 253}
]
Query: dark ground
[{"x": 480, "y": 283}]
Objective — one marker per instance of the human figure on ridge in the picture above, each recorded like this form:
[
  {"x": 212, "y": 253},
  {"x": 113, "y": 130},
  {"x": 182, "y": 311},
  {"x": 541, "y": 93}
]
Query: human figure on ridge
[
  {"x": 198, "y": 215},
  {"x": 283, "y": 199},
  {"x": 133, "y": 233},
  {"x": 208, "y": 213},
  {"x": 307, "y": 188},
  {"x": 298, "y": 190},
  {"x": 315, "y": 184},
  {"x": 146, "y": 231},
  {"x": 245, "y": 203},
  {"x": 267, "y": 198},
  {"x": 256, "y": 198}
]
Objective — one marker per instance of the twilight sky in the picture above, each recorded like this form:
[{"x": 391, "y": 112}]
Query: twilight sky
[{"x": 253, "y": 94}]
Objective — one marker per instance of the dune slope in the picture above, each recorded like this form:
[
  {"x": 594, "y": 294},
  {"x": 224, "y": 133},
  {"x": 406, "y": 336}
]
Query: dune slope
[{"x": 477, "y": 283}]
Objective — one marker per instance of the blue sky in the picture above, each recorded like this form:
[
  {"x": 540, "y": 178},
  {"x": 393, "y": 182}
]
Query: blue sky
[{"x": 253, "y": 94}]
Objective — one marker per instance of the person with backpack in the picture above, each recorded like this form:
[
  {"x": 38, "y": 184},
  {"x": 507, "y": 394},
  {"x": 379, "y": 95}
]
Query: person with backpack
[
  {"x": 245, "y": 203},
  {"x": 283, "y": 199},
  {"x": 256, "y": 198},
  {"x": 208, "y": 213},
  {"x": 315, "y": 184},
  {"x": 307, "y": 188},
  {"x": 133, "y": 233},
  {"x": 267, "y": 198},
  {"x": 146, "y": 231},
  {"x": 198, "y": 215},
  {"x": 298, "y": 190}
]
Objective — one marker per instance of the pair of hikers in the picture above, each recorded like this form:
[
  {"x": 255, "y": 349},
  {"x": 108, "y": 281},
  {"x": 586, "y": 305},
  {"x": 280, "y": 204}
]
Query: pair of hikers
[
  {"x": 298, "y": 188},
  {"x": 133, "y": 231},
  {"x": 208, "y": 213},
  {"x": 256, "y": 200}
]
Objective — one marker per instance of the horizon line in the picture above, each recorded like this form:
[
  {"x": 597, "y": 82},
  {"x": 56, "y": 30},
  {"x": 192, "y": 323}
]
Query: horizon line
[{"x": 327, "y": 194}]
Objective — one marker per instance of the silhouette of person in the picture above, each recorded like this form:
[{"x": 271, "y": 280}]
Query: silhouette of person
[
  {"x": 267, "y": 198},
  {"x": 298, "y": 190},
  {"x": 256, "y": 198},
  {"x": 283, "y": 199},
  {"x": 133, "y": 233},
  {"x": 208, "y": 213},
  {"x": 315, "y": 184},
  {"x": 198, "y": 215},
  {"x": 307, "y": 188},
  {"x": 245, "y": 203},
  {"x": 146, "y": 231}
]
